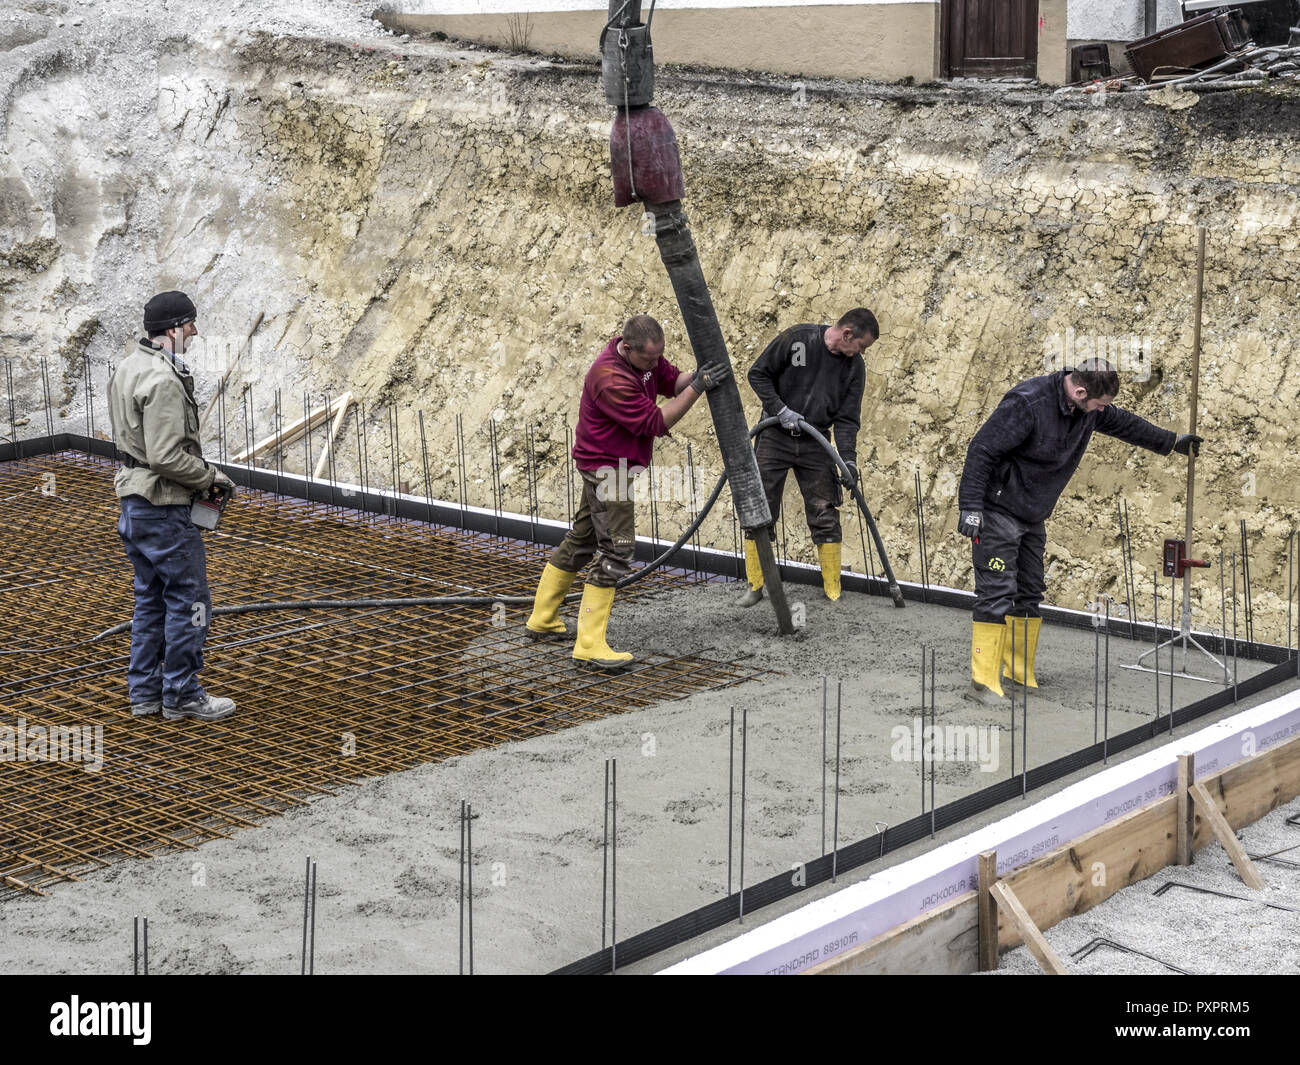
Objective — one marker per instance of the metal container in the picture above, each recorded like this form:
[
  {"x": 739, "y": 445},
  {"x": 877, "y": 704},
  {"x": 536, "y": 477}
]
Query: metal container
[
  {"x": 1188, "y": 46},
  {"x": 628, "y": 73}
]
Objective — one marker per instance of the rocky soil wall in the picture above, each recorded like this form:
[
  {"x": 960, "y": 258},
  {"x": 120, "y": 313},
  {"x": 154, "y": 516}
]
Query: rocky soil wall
[{"x": 432, "y": 228}]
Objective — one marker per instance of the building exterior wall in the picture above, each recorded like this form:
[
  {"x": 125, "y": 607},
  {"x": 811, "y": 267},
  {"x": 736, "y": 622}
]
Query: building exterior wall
[
  {"x": 1053, "y": 52},
  {"x": 882, "y": 40},
  {"x": 885, "y": 40},
  {"x": 1118, "y": 20}
]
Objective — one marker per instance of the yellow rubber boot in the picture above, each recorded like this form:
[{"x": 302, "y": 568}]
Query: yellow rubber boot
[
  {"x": 829, "y": 556},
  {"x": 591, "y": 650},
  {"x": 1025, "y": 632},
  {"x": 986, "y": 640},
  {"x": 545, "y": 622},
  {"x": 753, "y": 574}
]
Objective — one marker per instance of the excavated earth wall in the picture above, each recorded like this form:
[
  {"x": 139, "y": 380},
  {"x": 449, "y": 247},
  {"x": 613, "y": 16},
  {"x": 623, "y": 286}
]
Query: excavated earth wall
[{"x": 432, "y": 228}]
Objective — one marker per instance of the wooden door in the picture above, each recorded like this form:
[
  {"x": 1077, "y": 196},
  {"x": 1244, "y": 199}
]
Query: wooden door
[{"x": 989, "y": 38}]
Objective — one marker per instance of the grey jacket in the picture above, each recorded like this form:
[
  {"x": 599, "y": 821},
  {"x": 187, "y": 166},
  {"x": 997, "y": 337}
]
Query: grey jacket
[{"x": 156, "y": 422}]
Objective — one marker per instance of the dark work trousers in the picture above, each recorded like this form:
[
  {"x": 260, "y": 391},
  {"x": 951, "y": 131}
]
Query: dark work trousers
[
  {"x": 1008, "y": 567},
  {"x": 778, "y": 452},
  {"x": 604, "y": 529},
  {"x": 172, "y": 605}
]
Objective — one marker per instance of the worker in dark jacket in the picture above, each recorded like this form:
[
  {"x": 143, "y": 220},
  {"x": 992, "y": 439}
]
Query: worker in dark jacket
[
  {"x": 156, "y": 428},
  {"x": 813, "y": 373},
  {"x": 1017, "y": 465}
]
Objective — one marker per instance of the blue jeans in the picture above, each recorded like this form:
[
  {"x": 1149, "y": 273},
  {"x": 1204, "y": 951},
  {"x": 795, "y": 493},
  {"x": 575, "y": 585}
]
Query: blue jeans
[{"x": 172, "y": 605}]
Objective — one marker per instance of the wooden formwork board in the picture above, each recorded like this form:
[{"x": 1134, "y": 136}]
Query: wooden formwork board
[{"x": 1077, "y": 876}]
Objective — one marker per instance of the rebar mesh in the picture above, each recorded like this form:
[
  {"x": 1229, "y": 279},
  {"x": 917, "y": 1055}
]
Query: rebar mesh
[{"x": 325, "y": 697}]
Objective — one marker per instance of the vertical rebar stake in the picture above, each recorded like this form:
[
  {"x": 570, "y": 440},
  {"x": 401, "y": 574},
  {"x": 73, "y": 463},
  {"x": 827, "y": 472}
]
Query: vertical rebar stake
[
  {"x": 306, "y": 903},
  {"x": 824, "y": 686},
  {"x": 920, "y": 541},
  {"x": 1234, "y": 628},
  {"x": 1096, "y": 678},
  {"x": 496, "y": 477},
  {"x": 604, "y": 863},
  {"x": 1105, "y": 751},
  {"x": 934, "y": 731},
  {"x": 1155, "y": 625},
  {"x": 306, "y": 440},
  {"x": 923, "y": 647},
  {"x": 835, "y": 828},
  {"x": 13, "y": 424},
  {"x": 461, "y": 896},
  {"x": 1013, "y": 700},
  {"x": 731, "y": 794},
  {"x": 744, "y": 765},
  {"x": 1024, "y": 715},
  {"x": 279, "y": 451},
  {"x": 469, "y": 880},
  {"x": 1173, "y": 598},
  {"x": 49, "y": 401},
  {"x": 221, "y": 416},
  {"x": 1223, "y": 620},
  {"x": 654, "y": 505},
  {"x": 694, "y": 505},
  {"x": 568, "y": 467},
  {"x": 311, "y": 962},
  {"x": 613, "y": 870},
  {"x": 135, "y": 945},
  {"x": 1290, "y": 563},
  {"x": 424, "y": 461}
]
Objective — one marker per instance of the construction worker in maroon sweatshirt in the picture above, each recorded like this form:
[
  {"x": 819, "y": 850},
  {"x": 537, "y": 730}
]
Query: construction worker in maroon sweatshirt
[{"x": 618, "y": 421}]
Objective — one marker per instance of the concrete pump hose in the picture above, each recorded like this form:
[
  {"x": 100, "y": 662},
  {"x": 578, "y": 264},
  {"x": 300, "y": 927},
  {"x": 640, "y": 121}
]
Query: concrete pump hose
[{"x": 346, "y": 604}]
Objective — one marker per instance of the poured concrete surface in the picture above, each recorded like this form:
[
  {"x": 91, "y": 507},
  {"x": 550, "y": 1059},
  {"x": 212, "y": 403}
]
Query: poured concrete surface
[{"x": 387, "y": 850}]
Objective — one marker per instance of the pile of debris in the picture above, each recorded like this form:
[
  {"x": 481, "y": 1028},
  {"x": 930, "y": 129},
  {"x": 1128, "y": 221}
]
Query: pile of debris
[{"x": 1208, "y": 53}]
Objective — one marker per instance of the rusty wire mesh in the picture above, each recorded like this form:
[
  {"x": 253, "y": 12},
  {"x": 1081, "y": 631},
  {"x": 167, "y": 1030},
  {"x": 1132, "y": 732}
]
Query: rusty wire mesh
[{"x": 325, "y": 697}]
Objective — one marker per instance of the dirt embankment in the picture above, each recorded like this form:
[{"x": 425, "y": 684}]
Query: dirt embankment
[{"x": 433, "y": 229}]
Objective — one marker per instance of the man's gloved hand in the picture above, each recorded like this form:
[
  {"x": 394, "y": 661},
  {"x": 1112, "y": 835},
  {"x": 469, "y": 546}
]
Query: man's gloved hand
[
  {"x": 220, "y": 480},
  {"x": 852, "y": 478},
  {"x": 790, "y": 420},
  {"x": 1188, "y": 442},
  {"x": 970, "y": 523},
  {"x": 707, "y": 378}
]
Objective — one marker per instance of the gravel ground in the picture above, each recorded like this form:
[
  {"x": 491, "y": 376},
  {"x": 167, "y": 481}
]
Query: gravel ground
[{"x": 1198, "y": 933}]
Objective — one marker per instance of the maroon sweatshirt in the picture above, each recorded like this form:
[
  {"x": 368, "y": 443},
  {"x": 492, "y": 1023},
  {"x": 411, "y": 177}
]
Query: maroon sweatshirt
[{"x": 618, "y": 417}]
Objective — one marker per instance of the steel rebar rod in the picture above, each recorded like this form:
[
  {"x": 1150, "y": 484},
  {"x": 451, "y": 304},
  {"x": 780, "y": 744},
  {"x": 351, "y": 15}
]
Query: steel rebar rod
[
  {"x": 744, "y": 776},
  {"x": 835, "y": 828}
]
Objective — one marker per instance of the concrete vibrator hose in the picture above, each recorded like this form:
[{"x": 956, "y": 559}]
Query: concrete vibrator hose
[
  {"x": 520, "y": 600},
  {"x": 895, "y": 592}
]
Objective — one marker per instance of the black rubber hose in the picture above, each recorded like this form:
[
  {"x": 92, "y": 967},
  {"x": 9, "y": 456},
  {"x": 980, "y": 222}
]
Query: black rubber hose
[
  {"x": 895, "y": 592},
  {"x": 311, "y": 604},
  {"x": 487, "y": 600},
  {"x": 347, "y": 604}
]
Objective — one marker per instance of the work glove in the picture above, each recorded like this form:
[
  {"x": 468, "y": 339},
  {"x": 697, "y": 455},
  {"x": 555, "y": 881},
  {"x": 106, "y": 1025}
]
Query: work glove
[
  {"x": 851, "y": 478},
  {"x": 790, "y": 420},
  {"x": 708, "y": 377},
  {"x": 220, "y": 480},
  {"x": 970, "y": 523},
  {"x": 1188, "y": 442}
]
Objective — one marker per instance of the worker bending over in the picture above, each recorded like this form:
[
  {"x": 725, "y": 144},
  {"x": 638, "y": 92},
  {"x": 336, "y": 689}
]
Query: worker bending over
[
  {"x": 815, "y": 373},
  {"x": 618, "y": 420},
  {"x": 1017, "y": 465}
]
